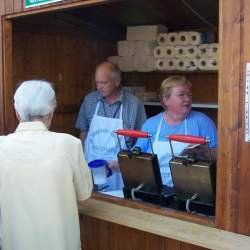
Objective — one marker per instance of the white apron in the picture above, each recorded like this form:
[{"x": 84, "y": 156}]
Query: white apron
[
  {"x": 102, "y": 143},
  {"x": 163, "y": 151}
]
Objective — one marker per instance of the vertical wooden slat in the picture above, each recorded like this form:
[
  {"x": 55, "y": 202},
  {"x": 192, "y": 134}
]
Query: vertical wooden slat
[
  {"x": 244, "y": 163},
  {"x": 9, "y": 6},
  {"x": 2, "y": 10},
  {"x": 10, "y": 120},
  {"x": 228, "y": 115},
  {"x": 18, "y": 5}
]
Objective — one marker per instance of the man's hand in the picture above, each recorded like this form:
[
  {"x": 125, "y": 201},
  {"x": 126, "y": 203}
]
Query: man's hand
[{"x": 114, "y": 165}]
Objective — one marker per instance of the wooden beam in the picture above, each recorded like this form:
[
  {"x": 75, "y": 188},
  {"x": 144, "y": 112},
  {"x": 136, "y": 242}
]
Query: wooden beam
[
  {"x": 2, "y": 11},
  {"x": 9, "y": 119},
  {"x": 172, "y": 228},
  {"x": 60, "y": 6},
  {"x": 229, "y": 115}
]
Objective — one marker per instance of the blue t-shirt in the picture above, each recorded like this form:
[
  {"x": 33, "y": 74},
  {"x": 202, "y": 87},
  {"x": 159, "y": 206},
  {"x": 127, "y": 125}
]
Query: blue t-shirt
[{"x": 197, "y": 124}]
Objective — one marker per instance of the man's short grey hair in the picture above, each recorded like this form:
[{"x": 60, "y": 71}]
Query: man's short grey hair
[
  {"x": 34, "y": 99},
  {"x": 115, "y": 73}
]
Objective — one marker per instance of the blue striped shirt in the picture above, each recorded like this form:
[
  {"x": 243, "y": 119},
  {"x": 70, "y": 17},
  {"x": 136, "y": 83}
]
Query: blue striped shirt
[{"x": 133, "y": 110}]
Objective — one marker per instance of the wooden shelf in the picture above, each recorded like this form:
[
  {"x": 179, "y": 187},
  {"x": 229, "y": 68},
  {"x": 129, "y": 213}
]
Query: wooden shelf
[
  {"x": 194, "y": 105},
  {"x": 176, "y": 72}
]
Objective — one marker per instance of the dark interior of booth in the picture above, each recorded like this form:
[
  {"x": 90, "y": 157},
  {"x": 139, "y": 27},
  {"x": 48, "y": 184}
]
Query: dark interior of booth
[{"x": 64, "y": 47}]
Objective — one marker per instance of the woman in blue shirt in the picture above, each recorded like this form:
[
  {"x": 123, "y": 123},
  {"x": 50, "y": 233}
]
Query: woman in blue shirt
[{"x": 178, "y": 118}]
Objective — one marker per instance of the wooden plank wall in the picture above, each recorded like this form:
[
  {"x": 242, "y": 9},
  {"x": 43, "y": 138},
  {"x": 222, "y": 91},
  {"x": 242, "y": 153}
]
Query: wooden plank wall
[
  {"x": 66, "y": 55},
  {"x": 94, "y": 233}
]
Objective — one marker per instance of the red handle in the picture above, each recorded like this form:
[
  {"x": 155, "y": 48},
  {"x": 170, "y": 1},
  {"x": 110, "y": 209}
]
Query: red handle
[
  {"x": 188, "y": 139},
  {"x": 132, "y": 133}
]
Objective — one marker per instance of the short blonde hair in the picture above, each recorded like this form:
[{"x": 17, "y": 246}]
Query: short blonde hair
[{"x": 169, "y": 83}]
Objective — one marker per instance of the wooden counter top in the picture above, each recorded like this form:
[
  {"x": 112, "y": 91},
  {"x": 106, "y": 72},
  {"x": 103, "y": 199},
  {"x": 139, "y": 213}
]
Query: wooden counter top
[{"x": 162, "y": 221}]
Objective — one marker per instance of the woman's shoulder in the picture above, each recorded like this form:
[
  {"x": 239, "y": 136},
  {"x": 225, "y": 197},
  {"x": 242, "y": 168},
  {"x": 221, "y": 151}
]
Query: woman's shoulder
[
  {"x": 199, "y": 116},
  {"x": 153, "y": 121}
]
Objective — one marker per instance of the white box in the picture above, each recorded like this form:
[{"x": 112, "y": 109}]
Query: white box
[{"x": 145, "y": 33}]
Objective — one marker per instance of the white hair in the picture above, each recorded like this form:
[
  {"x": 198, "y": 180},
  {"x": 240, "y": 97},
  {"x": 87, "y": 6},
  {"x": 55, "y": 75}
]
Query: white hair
[{"x": 33, "y": 99}]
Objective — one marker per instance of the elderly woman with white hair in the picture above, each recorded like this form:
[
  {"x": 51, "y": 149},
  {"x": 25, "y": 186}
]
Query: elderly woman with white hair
[
  {"x": 177, "y": 118},
  {"x": 42, "y": 176}
]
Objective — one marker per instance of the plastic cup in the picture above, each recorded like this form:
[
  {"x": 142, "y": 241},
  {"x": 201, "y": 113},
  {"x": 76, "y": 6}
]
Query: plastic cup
[{"x": 99, "y": 171}]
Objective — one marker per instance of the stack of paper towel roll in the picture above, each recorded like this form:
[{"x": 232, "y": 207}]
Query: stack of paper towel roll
[
  {"x": 137, "y": 52},
  {"x": 186, "y": 51},
  {"x": 150, "y": 48}
]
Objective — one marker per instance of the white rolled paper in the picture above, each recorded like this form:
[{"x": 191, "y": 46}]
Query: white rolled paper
[
  {"x": 115, "y": 60},
  {"x": 179, "y": 51},
  {"x": 171, "y": 64},
  {"x": 191, "y": 51},
  {"x": 162, "y": 39},
  {"x": 182, "y": 38},
  {"x": 143, "y": 48},
  {"x": 169, "y": 52},
  {"x": 166, "y": 64},
  {"x": 203, "y": 50},
  {"x": 208, "y": 64},
  {"x": 126, "y": 48},
  {"x": 194, "y": 38},
  {"x": 159, "y": 52},
  {"x": 171, "y": 39},
  {"x": 164, "y": 52},
  {"x": 213, "y": 51},
  {"x": 161, "y": 64},
  {"x": 191, "y": 64},
  {"x": 213, "y": 64},
  {"x": 145, "y": 63},
  {"x": 203, "y": 64},
  {"x": 127, "y": 63},
  {"x": 181, "y": 64}
]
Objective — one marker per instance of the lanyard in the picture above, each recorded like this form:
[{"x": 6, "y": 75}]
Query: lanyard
[{"x": 115, "y": 113}]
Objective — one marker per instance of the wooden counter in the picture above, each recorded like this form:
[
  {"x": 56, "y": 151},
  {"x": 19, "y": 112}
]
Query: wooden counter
[{"x": 136, "y": 225}]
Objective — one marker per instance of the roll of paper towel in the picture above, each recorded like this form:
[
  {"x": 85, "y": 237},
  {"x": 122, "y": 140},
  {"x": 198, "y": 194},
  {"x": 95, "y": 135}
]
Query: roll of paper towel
[
  {"x": 145, "y": 63},
  {"x": 166, "y": 64},
  {"x": 159, "y": 52},
  {"x": 171, "y": 64},
  {"x": 181, "y": 64},
  {"x": 191, "y": 64},
  {"x": 208, "y": 64},
  {"x": 115, "y": 60},
  {"x": 179, "y": 51},
  {"x": 143, "y": 48},
  {"x": 196, "y": 38},
  {"x": 127, "y": 63},
  {"x": 213, "y": 64},
  {"x": 164, "y": 52},
  {"x": 171, "y": 39},
  {"x": 182, "y": 38},
  {"x": 161, "y": 64},
  {"x": 126, "y": 48},
  {"x": 145, "y": 33},
  {"x": 213, "y": 51},
  {"x": 203, "y": 50},
  {"x": 162, "y": 39},
  {"x": 191, "y": 51}
]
